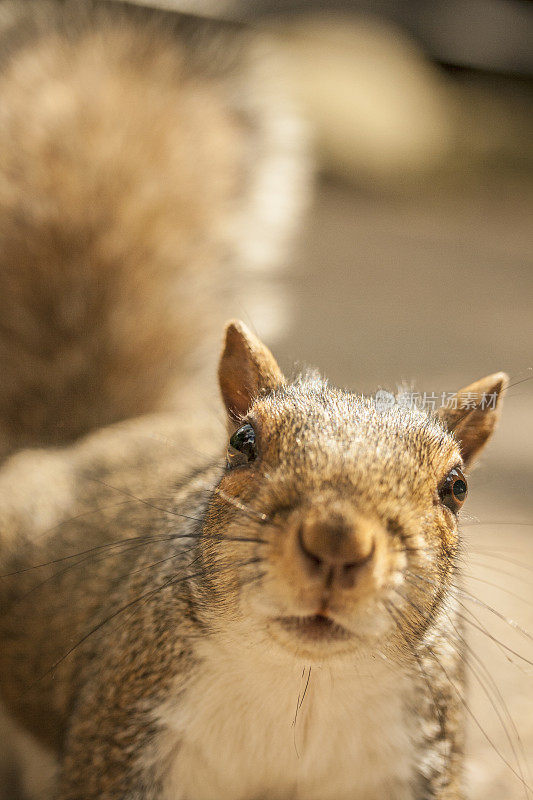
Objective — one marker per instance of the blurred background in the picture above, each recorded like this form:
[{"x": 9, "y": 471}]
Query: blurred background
[{"x": 415, "y": 265}]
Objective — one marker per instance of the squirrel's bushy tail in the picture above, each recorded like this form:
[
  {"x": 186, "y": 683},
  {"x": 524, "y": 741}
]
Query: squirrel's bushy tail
[{"x": 127, "y": 163}]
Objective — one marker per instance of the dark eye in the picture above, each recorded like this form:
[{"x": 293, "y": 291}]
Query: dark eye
[
  {"x": 454, "y": 490},
  {"x": 241, "y": 448}
]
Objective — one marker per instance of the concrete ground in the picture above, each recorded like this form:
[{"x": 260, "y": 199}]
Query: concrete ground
[{"x": 438, "y": 290}]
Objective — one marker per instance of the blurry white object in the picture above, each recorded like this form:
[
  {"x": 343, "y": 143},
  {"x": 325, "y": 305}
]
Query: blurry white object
[
  {"x": 208, "y": 8},
  {"x": 380, "y": 111}
]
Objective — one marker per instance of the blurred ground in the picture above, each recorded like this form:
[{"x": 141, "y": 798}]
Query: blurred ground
[{"x": 437, "y": 289}]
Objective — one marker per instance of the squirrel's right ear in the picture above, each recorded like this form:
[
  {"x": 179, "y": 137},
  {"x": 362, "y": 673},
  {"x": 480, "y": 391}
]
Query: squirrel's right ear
[{"x": 246, "y": 369}]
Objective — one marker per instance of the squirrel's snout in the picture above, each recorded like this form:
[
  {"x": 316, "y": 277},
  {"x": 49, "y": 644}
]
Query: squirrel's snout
[{"x": 335, "y": 549}]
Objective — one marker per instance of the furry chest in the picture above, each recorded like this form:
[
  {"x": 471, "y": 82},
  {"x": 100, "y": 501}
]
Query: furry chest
[{"x": 238, "y": 736}]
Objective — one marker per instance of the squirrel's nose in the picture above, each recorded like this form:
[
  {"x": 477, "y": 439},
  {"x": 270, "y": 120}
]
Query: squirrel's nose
[{"x": 335, "y": 550}]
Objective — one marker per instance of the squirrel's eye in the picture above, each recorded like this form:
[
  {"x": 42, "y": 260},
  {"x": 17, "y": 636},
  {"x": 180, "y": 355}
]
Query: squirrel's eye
[
  {"x": 242, "y": 447},
  {"x": 453, "y": 491}
]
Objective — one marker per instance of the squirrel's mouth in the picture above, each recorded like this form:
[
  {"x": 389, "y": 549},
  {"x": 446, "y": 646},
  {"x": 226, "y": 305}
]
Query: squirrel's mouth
[{"x": 314, "y": 628}]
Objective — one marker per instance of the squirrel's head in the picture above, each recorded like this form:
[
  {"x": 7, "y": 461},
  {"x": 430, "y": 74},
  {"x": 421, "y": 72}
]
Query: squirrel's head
[{"x": 334, "y": 527}]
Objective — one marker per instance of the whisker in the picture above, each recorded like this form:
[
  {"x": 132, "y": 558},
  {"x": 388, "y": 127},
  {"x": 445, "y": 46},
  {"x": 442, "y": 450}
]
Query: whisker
[
  {"x": 146, "y": 502},
  {"x": 253, "y": 578},
  {"x": 93, "y": 558},
  {"x": 473, "y": 599},
  {"x": 127, "y": 619},
  {"x": 522, "y": 578},
  {"x": 305, "y": 692},
  {"x": 417, "y": 550},
  {"x": 462, "y": 641},
  {"x": 100, "y": 625},
  {"x": 497, "y": 586},
  {"x": 522, "y": 760},
  {"x": 189, "y": 549},
  {"x": 131, "y": 497},
  {"x": 299, "y": 702},
  {"x": 143, "y": 540},
  {"x": 479, "y": 626},
  {"x": 436, "y": 704},
  {"x": 173, "y": 581},
  {"x": 480, "y": 522},
  {"x": 490, "y": 697},
  {"x": 463, "y": 702},
  {"x": 157, "y": 563},
  {"x": 107, "y": 545},
  {"x": 238, "y": 503},
  {"x": 80, "y": 516},
  {"x": 208, "y": 487},
  {"x": 518, "y": 382},
  {"x": 505, "y": 558},
  {"x": 482, "y": 629},
  {"x": 214, "y": 488}
]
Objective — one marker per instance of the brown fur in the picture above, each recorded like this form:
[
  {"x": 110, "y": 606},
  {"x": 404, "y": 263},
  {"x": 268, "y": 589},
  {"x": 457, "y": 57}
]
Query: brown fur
[{"x": 130, "y": 142}]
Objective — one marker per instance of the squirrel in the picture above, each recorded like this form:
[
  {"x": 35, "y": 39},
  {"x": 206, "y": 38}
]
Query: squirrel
[{"x": 267, "y": 609}]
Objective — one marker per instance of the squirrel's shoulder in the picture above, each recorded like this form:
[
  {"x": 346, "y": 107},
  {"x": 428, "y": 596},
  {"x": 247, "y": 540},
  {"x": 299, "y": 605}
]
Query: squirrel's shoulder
[{"x": 150, "y": 459}]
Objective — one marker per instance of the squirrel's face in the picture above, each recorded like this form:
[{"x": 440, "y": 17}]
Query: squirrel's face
[{"x": 349, "y": 511}]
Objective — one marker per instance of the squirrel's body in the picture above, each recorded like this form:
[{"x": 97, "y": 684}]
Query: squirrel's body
[
  {"x": 178, "y": 622},
  {"x": 209, "y": 712}
]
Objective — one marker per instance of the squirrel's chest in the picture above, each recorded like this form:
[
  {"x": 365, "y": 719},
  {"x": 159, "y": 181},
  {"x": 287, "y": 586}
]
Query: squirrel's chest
[{"x": 288, "y": 736}]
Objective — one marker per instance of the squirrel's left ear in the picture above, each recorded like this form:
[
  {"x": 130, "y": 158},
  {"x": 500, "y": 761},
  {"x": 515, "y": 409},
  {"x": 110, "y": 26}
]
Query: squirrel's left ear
[
  {"x": 472, "y": 414},
  {"x": 246, "y": 369}
]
